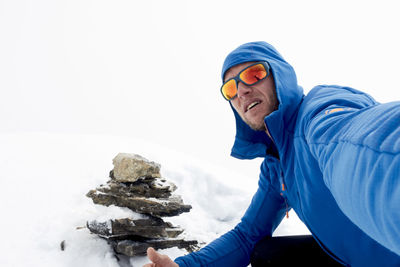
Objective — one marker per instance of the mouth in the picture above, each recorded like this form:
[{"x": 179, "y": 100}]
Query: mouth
[{"x": 252, "y": 105}]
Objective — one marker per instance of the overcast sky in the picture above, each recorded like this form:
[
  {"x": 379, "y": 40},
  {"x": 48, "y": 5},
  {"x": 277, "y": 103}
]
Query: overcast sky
[{"x": 151, "y": 69}]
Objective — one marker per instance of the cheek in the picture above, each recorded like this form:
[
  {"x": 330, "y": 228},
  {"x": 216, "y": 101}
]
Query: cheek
[
  {"x": 235, "y": 104},
  {"x": 273, "y": 89},
  {"x": 271, "y": 92}
]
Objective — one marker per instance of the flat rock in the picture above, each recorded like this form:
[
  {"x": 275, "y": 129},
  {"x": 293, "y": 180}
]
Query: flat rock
[
  {"x": 157, "y": 207},
  {"x": 154, "y": 187},
  {"x": 151, "y": 228},
  {"x": 133, "y": 248},
  {"x": 131, "y": 167}
]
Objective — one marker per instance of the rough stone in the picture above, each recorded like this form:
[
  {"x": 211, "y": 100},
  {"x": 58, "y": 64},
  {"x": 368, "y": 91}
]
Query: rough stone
[
  {"x": 154, "y": 187},
  {"x": 157, "y": 207},
  {"x": 133, "y": 248},
  {"x": 103, "y": 229},
  {"x": 126, "y": 228},
  {"x": 131, "y": 167}
]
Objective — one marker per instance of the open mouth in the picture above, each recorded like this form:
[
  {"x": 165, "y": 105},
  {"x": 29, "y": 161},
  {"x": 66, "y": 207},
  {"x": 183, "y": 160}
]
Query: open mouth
[{"x": 252, "y": 105}]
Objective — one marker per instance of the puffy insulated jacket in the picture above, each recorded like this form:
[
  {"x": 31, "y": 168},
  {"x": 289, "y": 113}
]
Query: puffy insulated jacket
[{"x": 339, "y": 161}]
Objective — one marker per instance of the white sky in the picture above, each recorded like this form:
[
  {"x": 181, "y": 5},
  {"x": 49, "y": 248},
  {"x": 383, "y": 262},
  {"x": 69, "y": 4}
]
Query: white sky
[{"x": 151, "y": 69}]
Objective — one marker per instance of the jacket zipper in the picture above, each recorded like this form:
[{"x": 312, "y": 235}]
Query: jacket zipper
[
  {"x": 282, "y": 180},
  {"x": 283, "y": 195}
]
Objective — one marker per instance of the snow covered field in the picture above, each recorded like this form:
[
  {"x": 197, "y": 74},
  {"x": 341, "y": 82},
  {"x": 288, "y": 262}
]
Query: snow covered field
[{"x": 45, "y": 178}]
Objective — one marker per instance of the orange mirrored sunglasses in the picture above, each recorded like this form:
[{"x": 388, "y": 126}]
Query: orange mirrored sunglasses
[{"x": 249, "y": 76}]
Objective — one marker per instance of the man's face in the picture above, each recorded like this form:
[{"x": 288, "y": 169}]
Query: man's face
[{"x": 254, "y": 102}]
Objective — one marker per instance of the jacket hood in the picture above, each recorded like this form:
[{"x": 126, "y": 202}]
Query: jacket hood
[{"x": 248, "y": 143}]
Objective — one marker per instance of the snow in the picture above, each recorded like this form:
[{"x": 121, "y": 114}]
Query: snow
[{"x": 45, "y": 178}]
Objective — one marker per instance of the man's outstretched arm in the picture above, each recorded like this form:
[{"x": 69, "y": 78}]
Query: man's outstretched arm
[
  {"x": 358, "y": 151},
  {"x": 234, "y": 248}
]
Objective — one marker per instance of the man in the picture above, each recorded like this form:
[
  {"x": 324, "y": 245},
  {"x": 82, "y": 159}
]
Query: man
[{"x": 333, "y": 156}]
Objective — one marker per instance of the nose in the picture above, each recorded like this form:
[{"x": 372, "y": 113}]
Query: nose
[{"x": 243, "y": 90}]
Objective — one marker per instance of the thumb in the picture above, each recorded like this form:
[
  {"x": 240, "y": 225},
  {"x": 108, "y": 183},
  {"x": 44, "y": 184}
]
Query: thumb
[
  {"x": 160, "y": 260},
  {"x": 153, "y": 255}
]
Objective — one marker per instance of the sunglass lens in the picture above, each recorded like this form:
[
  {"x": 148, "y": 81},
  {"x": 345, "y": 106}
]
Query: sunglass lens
[
  {"x": 253, "y": 74},
  {"x": 229, "y": 89}
]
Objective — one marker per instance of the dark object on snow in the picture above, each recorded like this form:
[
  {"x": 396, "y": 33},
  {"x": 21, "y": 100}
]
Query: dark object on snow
[
  {"x": 133, "y": 237},
  {"x": 158, "y": 207},
  {"x": 62, "y": 245},
  {"x": 126, "y": 228}
]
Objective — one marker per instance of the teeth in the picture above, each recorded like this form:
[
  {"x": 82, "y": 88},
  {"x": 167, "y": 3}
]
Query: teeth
[{"x": 252, "y": 105}]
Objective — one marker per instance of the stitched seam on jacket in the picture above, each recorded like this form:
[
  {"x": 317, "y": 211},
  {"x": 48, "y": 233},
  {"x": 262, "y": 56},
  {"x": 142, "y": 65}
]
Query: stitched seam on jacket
[{"x": 355, "y": 144}]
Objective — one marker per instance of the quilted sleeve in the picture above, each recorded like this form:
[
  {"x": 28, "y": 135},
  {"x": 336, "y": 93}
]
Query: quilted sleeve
[{"x": 357, "y": 145}]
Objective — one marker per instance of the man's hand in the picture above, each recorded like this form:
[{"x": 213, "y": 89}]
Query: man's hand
[{"x": 159, "y": 260}]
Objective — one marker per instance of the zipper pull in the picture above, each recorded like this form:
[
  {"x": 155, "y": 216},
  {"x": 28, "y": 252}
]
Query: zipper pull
[
  {"x": 287, "y": 206},
  {"x": 287, "y": 209}
]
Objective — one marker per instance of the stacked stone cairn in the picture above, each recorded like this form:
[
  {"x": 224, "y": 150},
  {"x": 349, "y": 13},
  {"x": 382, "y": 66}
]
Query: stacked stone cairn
[{"x": 136, "y": 183}]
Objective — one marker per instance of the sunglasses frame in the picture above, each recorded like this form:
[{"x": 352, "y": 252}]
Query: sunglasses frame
[{"x": 237, "y": 77}]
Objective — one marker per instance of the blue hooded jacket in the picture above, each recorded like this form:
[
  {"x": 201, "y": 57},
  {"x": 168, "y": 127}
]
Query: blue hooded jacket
[{"x": 339, "y": 162}]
